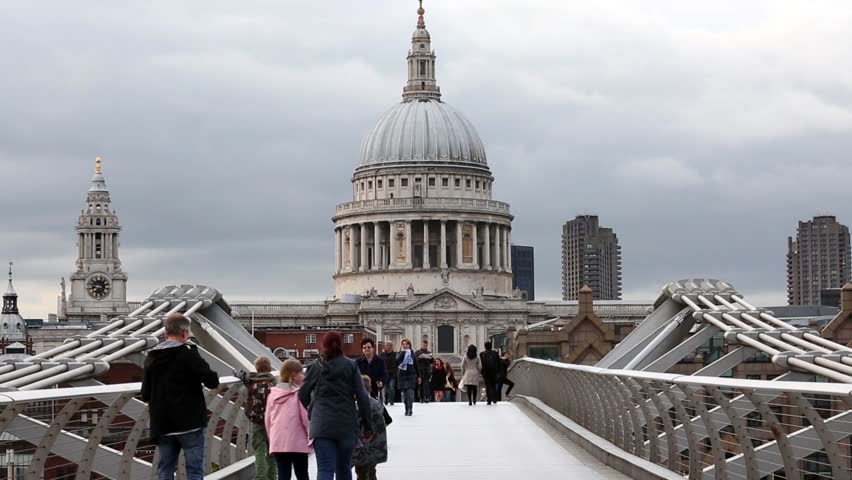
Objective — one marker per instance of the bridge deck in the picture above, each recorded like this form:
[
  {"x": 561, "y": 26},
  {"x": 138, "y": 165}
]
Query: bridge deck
[{"x": 455, "y": 441}]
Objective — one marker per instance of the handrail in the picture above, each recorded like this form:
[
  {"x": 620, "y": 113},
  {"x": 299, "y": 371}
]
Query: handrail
[
  {"x": 100, "y": 430},
  {"x": 699, "y": 426}
]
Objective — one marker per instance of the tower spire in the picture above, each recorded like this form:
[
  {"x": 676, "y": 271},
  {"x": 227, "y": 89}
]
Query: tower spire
[
  {"x": 421, "y": 63},
  {"x": 98, "y": 165},
  {"x": 10, "y": 298}
]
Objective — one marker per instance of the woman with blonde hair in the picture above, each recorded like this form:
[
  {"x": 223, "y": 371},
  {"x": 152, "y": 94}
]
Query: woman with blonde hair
[
  {"x": 408, "y": 376},
  {"x": 287, "y": 423}
]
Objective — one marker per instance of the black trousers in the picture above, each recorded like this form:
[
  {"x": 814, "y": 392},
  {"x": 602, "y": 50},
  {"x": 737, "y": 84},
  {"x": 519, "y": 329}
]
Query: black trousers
[
  {"x": 490, "y": 388},
  {"x": 500, "y": 384},
  {"x": 298, "y": 461}
]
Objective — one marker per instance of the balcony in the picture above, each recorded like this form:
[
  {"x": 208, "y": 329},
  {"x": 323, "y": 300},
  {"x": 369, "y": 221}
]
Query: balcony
[{"x": 416, "y": 204}]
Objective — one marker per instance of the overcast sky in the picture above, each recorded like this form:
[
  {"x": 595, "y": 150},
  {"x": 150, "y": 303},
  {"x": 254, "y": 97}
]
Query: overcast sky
[{"x": 702, "y": 132}]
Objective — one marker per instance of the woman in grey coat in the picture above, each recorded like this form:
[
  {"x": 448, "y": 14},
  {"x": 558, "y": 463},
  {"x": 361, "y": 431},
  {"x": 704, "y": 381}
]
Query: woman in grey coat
[
  {"x": 408, "y": 376},
  {"x": 332, "y": 386}
]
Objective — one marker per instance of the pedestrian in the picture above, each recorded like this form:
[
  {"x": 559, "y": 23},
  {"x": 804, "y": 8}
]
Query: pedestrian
[
  {"x": 172, "y": 385},
  {"x": 331, "y": 390},
  {"x": 373, "y": 366},
  {"x": 287, "y": 423},
  {"x": 452, "y": 384},
  {"x": 503, "y": 376},
  {"x": 372, "y": 450},
  {"x": 424, "y": 360},
  {"x": 471, "y": 370},
  {"x": 259, "y": 384},
  {"x": 408, "y": 377},
  {"x": 389, "y": 356},
  {"x": 439, "y": 380},
  {"x": 490, "y": 369}
]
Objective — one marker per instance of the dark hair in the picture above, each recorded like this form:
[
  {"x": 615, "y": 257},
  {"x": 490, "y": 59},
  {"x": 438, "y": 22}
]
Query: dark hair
[
  {"x": 471, "y": 352},
  {"x": 332, "y": 346},
  {"x": 368, "y": 340},
  {"x": 488, "y": 345},
  {"x": 176, "y": 323}
]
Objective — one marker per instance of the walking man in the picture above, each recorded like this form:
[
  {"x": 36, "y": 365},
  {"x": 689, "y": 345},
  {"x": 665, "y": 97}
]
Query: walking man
[
  {"x": 424, "y": 360},
  {"x": 172, "y": 386},
  {"x": 490, "y": 370},
  {"x": 389, "y": 356},
  {"x": 372, "y": 366}
]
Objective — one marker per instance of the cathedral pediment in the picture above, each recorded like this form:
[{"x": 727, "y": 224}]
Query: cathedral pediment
[{"x": 446, "y": 300}]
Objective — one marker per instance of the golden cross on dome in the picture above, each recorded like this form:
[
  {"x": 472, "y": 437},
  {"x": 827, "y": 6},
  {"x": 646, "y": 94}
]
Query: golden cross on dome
[{"x": 98, "y": 165}]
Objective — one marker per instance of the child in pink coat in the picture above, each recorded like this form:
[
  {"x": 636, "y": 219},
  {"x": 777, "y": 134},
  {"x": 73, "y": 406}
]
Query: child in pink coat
[{"x": 287, "y": 423}]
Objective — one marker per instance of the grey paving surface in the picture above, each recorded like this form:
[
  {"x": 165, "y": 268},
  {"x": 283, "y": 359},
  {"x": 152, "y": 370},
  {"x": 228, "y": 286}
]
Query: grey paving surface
[{"x": 498, "y": 442}]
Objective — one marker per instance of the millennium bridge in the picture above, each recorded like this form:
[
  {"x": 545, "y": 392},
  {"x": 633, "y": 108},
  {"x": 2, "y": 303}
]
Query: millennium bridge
[{"x": 626, "y": 417}]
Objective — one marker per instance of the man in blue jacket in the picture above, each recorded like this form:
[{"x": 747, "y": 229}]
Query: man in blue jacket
[
  {"x": 371, "y": 365},
  {"x": 172, "y": 386}
]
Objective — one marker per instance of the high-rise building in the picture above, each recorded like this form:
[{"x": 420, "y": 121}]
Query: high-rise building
[
  {"x": 523, "y": 270},
  {"x": 591, "y": 257},
  {"x": 817, "y": 259}
]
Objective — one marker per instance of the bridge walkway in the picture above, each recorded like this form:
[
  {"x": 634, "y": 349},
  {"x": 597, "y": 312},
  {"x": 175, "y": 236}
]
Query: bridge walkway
[{"x": 497, "y": 442}]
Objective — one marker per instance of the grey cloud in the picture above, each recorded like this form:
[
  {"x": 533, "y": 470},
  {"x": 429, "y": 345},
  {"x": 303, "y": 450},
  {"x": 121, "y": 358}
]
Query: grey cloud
[{"x": 700, "y": 132}]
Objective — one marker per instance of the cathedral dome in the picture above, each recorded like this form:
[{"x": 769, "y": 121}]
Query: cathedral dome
[{"x": 422, "y": 130}]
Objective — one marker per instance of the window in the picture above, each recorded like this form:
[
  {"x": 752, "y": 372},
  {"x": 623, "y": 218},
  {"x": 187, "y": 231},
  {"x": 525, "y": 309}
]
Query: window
[
  {"x": 404, "y": 182},
  {"x": 431, "y": 182},
  {"x": 370, "y": 185},
  {"x": 348, "y": 338},
  {"x": 311, "y": 338},
  {"x": 390, "y": 183},
  {"x": 422, "y": 67},
  {"x": 467, "y": 183},
  {"x": 477, "y": 184},
  {"x": 379, "y": 183},
  {"x": 458, "y": 182},
  {"x": 362, "y": 186},
  {"x": 445, "y": 182}
]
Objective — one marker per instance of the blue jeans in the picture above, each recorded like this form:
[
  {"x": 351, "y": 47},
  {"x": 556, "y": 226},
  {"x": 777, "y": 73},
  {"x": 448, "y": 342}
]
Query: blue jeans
[
  {"x": 408, "y": 398},
  {"x": 389, "y": 390},
  {"x": 192, "y": 444},
  {"x": 333, "y": 458}
]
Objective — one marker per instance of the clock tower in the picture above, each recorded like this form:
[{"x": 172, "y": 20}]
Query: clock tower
[{"x": 98, "y": 287}]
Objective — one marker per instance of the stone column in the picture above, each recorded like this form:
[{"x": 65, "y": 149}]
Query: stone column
[
  {"x": 352, "y": 252},
  {"x": 475, "y": 242},
  {"x": 379, "y": 340},
  {"x": 362, "y": 259},
  {"x": 377, "y": 246},
  {"x": 115, "y": 247},
  {"x": 486, "y": 247},
  {"x": 341, "y": 245},
  {"x": 509, "y": 248},
  {"x": 459, "y": 252},
  {"x": 443, "y": 253},
  {"x": 498, "y": 258},
  {"x": 80, "y": 245},
  {"x": 337, "y": 253},
  {"x": 426, "y": 244},
  {"x": 108, "y": 245},
  {"x": 409, "y": 245},
  {"x": 393, "y": 246}
]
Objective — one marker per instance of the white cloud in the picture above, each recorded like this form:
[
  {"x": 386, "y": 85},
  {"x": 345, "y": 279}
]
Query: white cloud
[{"x": 659, "y": 172}]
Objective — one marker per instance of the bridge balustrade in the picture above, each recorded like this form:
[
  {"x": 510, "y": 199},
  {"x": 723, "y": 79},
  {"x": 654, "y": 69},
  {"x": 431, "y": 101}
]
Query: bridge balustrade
[
  {"x": 102, "y": 432},
  {"x": 703, "y": 427}
]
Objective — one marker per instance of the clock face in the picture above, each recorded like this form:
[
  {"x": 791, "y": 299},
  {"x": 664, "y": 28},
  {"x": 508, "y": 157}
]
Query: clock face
[{"x": 98, "y": 287}]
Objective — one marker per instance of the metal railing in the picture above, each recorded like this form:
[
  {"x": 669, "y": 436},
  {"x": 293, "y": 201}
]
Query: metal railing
[
  {"x": 704, "y": 427},
  {"x": 429, "y": 203},
  {"x": 102, "y": 432}
]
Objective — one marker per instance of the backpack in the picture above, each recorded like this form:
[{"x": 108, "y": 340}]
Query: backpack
[
  {"x": 255, "y": 405},
  {"x": 490, "y": 362}
]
